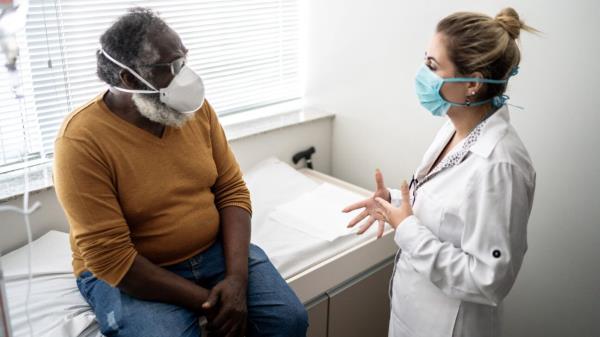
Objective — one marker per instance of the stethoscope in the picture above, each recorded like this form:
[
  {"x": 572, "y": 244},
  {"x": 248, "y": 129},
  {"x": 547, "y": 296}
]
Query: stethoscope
[{"x": 413, "y": 184}]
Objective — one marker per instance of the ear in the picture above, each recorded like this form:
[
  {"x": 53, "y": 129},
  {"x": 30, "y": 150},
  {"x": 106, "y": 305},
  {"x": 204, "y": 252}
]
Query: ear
[
  {"x": 129, "y": 81},
  {"x": 474, "y": 88}
]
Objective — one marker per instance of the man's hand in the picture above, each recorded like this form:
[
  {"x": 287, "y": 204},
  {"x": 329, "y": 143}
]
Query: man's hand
[
  {"x": 149, "y": 282},
  {"x": 226, "y": 309},
  {"x": 395, "y": 215},
  {"x": 371, "y": 208}
]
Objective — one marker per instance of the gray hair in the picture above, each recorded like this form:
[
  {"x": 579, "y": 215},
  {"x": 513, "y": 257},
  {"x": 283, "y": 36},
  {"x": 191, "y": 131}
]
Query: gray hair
[{"x": 128, "y": 41}]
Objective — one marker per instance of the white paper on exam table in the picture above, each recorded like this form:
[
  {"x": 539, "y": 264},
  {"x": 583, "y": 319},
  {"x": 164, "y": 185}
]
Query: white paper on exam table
[
  {"x": 319, "y": 212},
  {"x": 273, "y": 183}
]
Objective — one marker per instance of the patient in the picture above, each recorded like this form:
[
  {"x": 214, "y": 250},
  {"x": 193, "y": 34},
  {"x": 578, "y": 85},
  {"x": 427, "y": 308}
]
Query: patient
[{"x": 158, "y": 211}]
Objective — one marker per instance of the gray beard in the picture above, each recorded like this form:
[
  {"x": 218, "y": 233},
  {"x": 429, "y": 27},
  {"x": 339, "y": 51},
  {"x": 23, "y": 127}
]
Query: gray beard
[{"x": 152, "y": 108}]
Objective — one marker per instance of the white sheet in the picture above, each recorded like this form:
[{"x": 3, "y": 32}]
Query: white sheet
[
  {"x": 318, "y": 213},
  {"x": 273, "y": 183},
  {"x": 58, "y": 309}
]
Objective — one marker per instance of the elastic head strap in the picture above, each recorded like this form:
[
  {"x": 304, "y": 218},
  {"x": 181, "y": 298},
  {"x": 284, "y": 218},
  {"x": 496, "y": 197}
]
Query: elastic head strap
[
  {"x": 133, "y": 73},
  {"x": 474, "y": 79},
  {"x": 514, "y": 71}
]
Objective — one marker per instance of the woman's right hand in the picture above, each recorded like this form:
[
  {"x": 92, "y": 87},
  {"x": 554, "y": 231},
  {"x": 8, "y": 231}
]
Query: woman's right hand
[{"x": 371, "y": 208}]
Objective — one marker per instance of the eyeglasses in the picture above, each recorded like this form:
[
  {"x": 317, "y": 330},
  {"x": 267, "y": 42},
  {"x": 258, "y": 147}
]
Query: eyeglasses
[{"x": 175, "y": 66}]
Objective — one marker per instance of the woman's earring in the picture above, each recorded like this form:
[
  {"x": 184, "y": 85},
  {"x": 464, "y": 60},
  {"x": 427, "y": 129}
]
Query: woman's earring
[{"x": 467, "y": 100}]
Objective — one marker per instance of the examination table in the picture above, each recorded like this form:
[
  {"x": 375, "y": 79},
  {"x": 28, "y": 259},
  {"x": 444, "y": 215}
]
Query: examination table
[{"x": 343, "y": 282}]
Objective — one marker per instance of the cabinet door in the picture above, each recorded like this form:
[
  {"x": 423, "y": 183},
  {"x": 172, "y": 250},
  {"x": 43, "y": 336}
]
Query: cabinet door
[
  {"x": 362, "y": 307},
  {"x": 317, "y": 317}
]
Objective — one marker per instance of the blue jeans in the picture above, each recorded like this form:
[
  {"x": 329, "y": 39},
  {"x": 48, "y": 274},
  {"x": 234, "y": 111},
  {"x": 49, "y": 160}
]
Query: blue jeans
[{"x": 273, "y": 308}]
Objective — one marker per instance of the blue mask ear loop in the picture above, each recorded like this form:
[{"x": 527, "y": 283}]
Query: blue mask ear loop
[
  {"x": 503, "y": 98},
  {"x": 497, "y": 101},
  {"x": 469, "y": 79}
]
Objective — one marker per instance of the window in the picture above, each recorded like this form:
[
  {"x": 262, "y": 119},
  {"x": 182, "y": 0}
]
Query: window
[{"x": 247, "y": 52}]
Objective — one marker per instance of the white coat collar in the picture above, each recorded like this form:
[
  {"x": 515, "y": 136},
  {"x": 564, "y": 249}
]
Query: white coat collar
[
  {"x": 495, "y": 128},
  {"x": 491, "y": 132}
]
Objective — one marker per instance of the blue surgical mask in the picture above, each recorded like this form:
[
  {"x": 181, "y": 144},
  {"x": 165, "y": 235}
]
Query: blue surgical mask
[{"x": 428, "y": 86}]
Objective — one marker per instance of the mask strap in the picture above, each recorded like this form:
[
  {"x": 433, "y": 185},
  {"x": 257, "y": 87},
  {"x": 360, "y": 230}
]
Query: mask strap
[
  {"x": 514, "y": 71},
  {"x": 474, "y": 79},
  {"x": 133, "y": 73},
  {"x": 497, "y": 101}
]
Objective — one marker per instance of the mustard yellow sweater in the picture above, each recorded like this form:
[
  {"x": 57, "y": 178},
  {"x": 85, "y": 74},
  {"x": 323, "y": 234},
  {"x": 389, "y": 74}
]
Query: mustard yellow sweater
[{"x": 127, "y": 192}]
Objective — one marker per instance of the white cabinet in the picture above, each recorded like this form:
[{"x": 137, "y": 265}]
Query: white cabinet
[{"x": 358, "y": 307}]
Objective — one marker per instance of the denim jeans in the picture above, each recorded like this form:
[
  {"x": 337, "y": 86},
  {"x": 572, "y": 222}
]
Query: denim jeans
[{"x": 273, "y": 308}]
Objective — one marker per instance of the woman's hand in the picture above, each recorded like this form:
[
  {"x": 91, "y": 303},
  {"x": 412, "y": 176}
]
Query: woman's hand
[
  {"x": 395, "y": 215},
  {"x": 371, "y": 208}
]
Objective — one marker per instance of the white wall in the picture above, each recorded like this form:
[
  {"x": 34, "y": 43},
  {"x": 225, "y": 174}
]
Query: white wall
[
  {"x": 362, "y": 57},
  {"x": 281, "y": 143}
]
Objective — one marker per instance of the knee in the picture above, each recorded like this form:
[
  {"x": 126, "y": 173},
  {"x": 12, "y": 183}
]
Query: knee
[{"x": 295, "y": 321}]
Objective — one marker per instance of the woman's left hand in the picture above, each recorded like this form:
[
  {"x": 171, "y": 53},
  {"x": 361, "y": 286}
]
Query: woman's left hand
[{"x": 395, "y": 215}]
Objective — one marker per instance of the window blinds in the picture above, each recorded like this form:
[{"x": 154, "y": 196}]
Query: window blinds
[{"x": 247, "y": 52}]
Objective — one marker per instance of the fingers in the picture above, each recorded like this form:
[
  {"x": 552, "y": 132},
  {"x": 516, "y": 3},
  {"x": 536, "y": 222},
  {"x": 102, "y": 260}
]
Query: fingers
[
  {"x": 213, "y": 298},
  {"x": 219, "y": 323},
  {"x": 379, "y": 180},
  {"x": 230, "y": 329},
  {"x": 405, "y": 191},
  {"x": 227, "y": 328},
  {"x": 366, "y": 225},
  {"x": 358, "y": 218},
  {"x": 406, "y": 206},
  {"x": 383, "y": 203},
  {"x": 242, "y": 327},
  {"x": 360, "y": 204},
  {"x": 381, "y": 228}
]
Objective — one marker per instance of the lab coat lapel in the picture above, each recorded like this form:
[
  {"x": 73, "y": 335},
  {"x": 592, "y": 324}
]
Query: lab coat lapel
[
  {"x": 437, "y": 146},
  {"x": 457, "y": 155}
]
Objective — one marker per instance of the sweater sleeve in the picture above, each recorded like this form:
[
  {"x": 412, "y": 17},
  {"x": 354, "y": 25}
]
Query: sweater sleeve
[
  {"x": 85, "y": 190},
  {"x": 229, "y": 188}
]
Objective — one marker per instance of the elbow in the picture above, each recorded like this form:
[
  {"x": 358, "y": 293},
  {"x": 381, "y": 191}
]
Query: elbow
[
  {"x": 234, "y": 195},
  {"x": 493, "y": 290},
  {"x": 108, "y": 264},
  {"x": 113, "y": 271}
]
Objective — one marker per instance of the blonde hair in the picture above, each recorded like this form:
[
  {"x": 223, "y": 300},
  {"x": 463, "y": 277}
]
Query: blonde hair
[{"x": 479, "y": 43}]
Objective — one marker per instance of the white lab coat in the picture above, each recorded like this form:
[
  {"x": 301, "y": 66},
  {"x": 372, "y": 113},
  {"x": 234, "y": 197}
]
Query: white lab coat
[{"x": 464, "y": 245}]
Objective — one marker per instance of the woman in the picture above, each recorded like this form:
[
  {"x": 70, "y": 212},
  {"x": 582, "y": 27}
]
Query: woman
[{"x": 461, "y": 225}]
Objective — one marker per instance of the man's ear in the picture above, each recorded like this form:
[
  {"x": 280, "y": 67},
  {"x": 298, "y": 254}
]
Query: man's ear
[
  {"x": 474, "y": 88},
  {"x": 129, "y": 81}
]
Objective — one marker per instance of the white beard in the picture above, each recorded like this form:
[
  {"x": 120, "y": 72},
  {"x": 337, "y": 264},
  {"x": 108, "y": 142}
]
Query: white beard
[{"x": 152, "y": 108}]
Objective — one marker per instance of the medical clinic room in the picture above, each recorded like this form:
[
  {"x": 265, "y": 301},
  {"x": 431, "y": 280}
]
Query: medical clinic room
[{"x": 299, "y": 168}]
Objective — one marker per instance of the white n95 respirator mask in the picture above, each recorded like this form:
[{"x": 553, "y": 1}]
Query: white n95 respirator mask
[{"x": 185, "y": 93}]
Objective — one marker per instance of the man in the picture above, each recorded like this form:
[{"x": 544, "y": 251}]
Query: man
[{"x": 158, "y": 210}]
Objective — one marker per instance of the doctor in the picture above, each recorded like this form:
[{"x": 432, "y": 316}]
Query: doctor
[{"x": 461, "y": 224}]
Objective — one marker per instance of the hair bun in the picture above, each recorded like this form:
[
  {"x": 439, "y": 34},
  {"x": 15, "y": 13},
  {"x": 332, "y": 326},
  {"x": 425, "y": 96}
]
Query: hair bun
[{"x": 510, "y": 21}]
